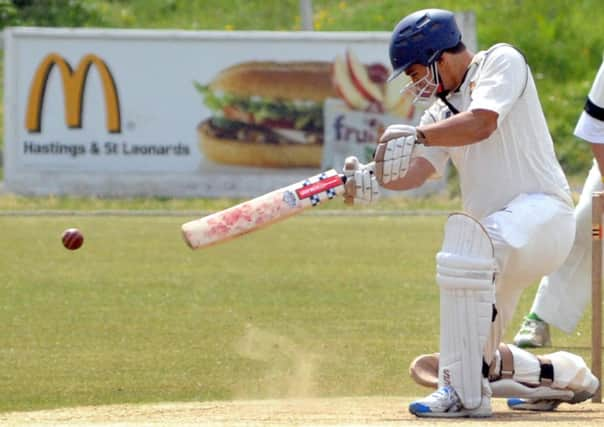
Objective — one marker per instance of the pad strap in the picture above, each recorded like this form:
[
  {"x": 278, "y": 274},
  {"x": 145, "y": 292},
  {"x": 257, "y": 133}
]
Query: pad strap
[
  {"x": 546, "y": 376},
  {"x": 506, "y": 367},
  {"x": 507, "y": 362}
]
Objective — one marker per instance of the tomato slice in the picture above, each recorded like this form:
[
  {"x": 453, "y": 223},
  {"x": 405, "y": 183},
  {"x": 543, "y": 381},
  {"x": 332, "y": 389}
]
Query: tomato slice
[{"x": 236, "y": 114}]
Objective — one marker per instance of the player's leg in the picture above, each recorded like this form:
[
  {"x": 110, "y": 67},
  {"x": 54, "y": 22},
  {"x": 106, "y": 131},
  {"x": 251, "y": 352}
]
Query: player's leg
[
  {"x": 532, "y": 382},
  {"x": 565, "y": 372},
  {"x": 465, "y": 274},
  {"x": 563, "y": 295},
  {"x": 531, "y": 236}
]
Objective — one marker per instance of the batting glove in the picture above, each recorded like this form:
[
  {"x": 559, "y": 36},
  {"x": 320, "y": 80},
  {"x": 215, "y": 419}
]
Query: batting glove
[
  {"x": 392, "y": 158},
  {"x": 397, "y": 131},
  {"x": 360, "y": 183}
]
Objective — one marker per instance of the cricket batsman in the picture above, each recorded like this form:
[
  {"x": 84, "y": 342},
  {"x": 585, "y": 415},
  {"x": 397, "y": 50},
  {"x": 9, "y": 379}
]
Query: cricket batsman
[{"x": 517, "y": 225}]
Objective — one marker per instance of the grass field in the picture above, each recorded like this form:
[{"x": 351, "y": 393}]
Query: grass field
[
  {"x": 324, "y": 305},
  {"x": 318, "y": 306}
]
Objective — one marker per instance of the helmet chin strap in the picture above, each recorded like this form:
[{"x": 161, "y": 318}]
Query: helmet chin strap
[{"x": 441, "y": 93}]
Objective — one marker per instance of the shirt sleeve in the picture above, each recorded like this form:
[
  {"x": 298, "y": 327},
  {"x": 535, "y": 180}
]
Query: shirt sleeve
[
  {"x": 590, "y": 126},
  {"x": 500, "y": 82},
  {"x": 590, "y": 129}
]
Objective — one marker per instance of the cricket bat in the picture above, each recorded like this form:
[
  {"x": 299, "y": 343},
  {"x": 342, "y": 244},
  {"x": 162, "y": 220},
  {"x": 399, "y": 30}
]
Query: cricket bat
[{"x": 263, "y": 210}]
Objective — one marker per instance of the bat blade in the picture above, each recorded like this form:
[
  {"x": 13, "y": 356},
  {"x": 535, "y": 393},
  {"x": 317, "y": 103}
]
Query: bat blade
[{"x": 263, "y": 210}]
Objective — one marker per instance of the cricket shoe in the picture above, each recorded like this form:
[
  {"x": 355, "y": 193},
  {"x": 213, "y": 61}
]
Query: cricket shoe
[
  {"x": 533, "y": 334},
  {"x": 546, "y": 405},
  {"x": 445, "y": 403}
]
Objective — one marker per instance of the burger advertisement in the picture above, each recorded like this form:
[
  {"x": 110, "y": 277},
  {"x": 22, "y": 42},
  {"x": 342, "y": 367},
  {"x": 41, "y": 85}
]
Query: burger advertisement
[
  {"x": 266, "y": 114},
  {"x": 306, "y": 114}
]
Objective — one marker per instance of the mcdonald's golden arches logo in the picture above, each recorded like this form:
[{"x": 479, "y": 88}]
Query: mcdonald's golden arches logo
[{"x": 74, "y": 83}]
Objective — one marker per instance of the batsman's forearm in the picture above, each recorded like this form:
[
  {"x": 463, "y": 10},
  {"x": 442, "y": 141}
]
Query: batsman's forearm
[{"x": 464, "y": 128}]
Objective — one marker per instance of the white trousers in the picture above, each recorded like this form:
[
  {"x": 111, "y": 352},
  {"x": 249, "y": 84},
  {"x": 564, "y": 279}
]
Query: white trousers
[
  {"x": 563, "y": 295},
  {"x": 532, "y": 237}
]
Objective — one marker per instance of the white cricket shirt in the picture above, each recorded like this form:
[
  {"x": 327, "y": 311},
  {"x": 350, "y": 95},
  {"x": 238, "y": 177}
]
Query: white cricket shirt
[
  {"x": 519, "y": 155},
  {"x": 590, "y": 126}
]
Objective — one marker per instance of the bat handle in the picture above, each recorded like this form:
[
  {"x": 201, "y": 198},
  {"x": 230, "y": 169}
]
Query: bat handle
[{"x": 371, "y": 165}]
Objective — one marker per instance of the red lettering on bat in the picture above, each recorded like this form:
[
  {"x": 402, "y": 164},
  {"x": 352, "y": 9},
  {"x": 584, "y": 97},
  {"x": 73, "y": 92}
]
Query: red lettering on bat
[{"x": 319, "y": 187}]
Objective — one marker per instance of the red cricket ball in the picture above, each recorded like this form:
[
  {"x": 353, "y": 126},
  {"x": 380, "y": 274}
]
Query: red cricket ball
[{"x": 72, "y": 238}]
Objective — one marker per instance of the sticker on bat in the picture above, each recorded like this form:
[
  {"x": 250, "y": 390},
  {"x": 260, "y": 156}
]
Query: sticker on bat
[
  {"x": 290, "y": 199},
  {"x": 319, "y": 187}
]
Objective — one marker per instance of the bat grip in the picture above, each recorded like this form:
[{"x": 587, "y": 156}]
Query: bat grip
[{"x": 370, "y": 165}]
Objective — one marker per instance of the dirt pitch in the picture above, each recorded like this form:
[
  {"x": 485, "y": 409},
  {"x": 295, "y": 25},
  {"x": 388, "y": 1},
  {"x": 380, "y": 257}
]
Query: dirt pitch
[{"x": 358, "y": 411}]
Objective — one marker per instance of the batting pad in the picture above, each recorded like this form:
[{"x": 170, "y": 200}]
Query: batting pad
[
  {"x": 570, "y": 371},
  {"x": 465, "y": 274}
]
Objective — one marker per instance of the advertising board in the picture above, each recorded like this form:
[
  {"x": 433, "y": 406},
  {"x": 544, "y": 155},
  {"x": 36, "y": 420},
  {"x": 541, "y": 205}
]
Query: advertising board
[{"x": 190, "y": 113}]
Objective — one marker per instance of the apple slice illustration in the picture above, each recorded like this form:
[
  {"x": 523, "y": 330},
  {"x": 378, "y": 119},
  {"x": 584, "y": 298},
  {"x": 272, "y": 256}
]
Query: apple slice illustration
[
  {"x": 360, "y": 78},
  {"x": 345, "y": 86},
  {"x": 397, "y": 103},
  {"x": 378, "y": 73}
]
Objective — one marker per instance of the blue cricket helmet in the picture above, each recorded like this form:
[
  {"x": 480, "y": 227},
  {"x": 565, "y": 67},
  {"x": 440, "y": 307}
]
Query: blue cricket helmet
[{"x": 421, "y": 38}]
